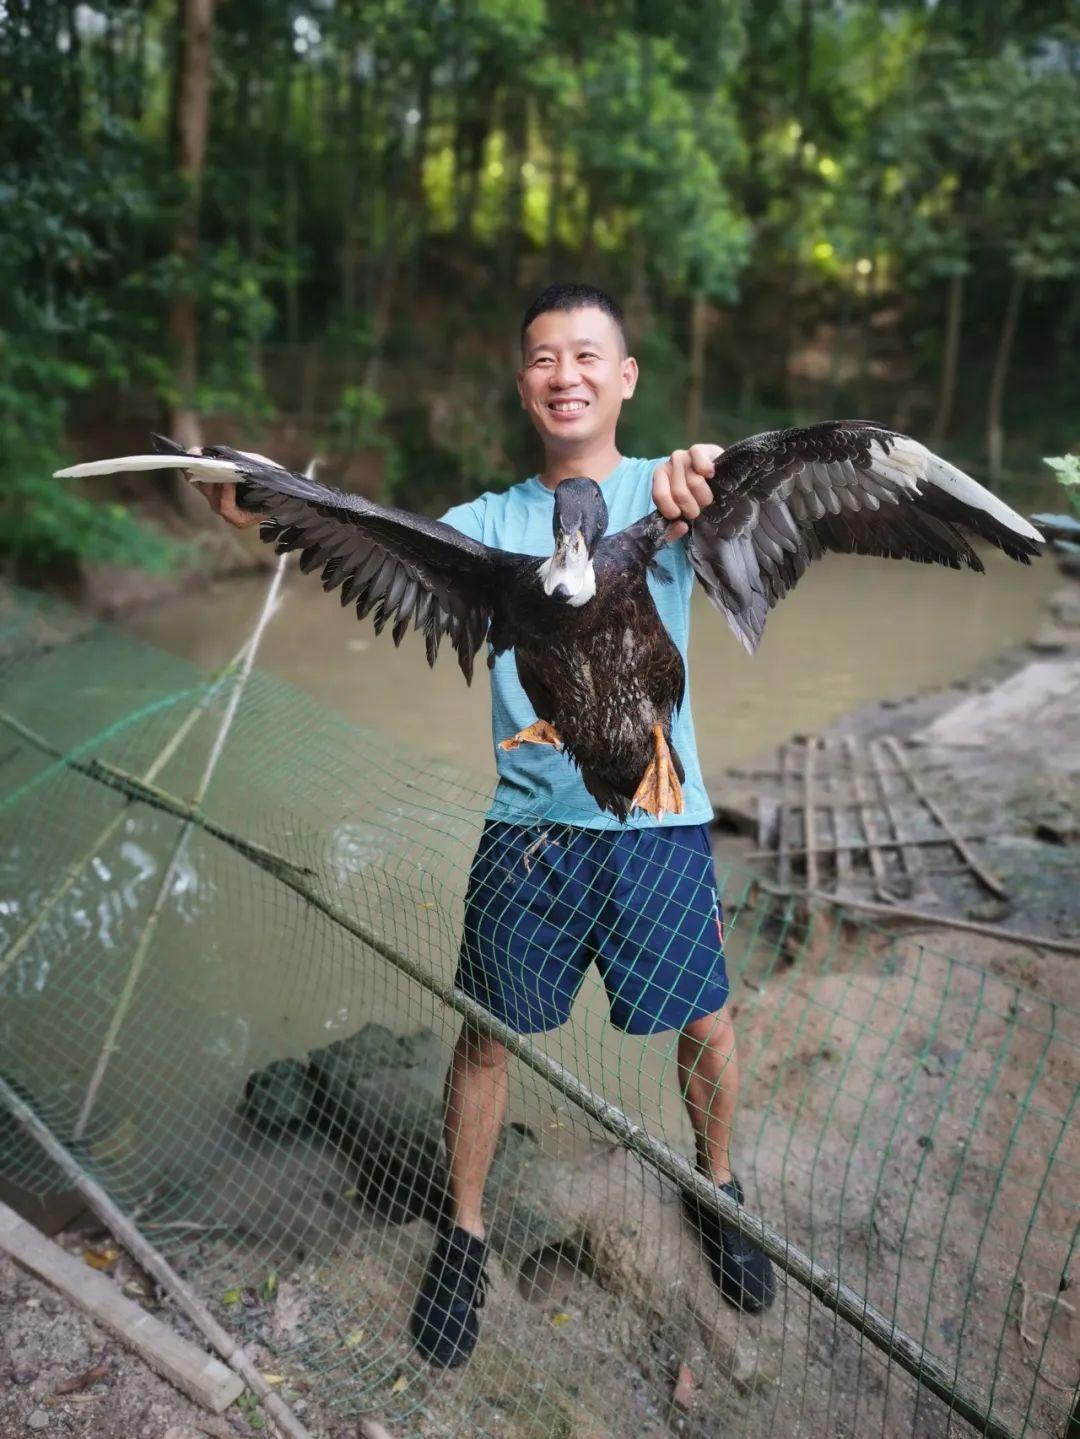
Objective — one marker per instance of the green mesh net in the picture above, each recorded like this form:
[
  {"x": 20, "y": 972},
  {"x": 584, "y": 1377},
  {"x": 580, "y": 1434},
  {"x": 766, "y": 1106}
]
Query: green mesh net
[{"x": 229, "y": 929}]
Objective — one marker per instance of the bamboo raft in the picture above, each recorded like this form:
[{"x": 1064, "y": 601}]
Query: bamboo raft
[{"x": 858, "y": 821}]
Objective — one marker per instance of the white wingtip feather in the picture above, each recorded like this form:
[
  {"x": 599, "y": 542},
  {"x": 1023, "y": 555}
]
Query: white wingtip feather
[
  {"x": 200, "y": 469},
  {"x": 947, "y": 477},
  {"x": 915, "y": 463}
]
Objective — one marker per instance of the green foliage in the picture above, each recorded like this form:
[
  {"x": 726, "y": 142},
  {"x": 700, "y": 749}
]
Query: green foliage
[
  {"x": 1067, "y": 469},
  {"x": 387, "y": 183},
  {"x": 653, "y": 416},
  {"x": 59, "y": 335},
  {"x": 356, "y": 425}
]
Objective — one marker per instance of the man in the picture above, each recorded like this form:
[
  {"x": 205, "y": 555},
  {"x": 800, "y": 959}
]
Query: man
[{"x": 557, "y": 883}]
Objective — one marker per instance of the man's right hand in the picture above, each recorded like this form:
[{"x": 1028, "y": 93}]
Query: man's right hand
[{"x": 222, "y": 500}]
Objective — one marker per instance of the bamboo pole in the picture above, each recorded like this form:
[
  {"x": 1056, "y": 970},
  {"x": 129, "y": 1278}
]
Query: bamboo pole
[
  {"x": 985, "y": 875},
  {"x": 132, "y": 787},
  {"x": 126, "y": 1233},
  {"x": 180, "y": 845},
  {"x": 927, "y": 916},
  {"x": 810, "y": 750},
  {"x": 869, "y": 824}
]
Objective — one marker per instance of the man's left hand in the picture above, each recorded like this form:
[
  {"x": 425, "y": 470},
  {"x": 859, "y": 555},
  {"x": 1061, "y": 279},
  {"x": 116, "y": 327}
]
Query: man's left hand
[{"x": 680, "y": 486}]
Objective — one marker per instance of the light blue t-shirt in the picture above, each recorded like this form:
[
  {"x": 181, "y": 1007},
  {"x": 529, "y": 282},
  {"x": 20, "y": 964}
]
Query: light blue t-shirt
[{"x": 536, "y": 781}]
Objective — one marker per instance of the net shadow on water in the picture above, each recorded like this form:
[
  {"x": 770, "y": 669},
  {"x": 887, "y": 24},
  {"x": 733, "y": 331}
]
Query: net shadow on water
[{"x": 265, "y": 1098}]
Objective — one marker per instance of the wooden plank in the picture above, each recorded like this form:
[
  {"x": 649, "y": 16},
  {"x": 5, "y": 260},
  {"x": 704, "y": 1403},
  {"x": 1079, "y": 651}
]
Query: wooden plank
[
  {"x": 845, "y": 833},
  {"x": 869, "y": 824},
  {"x": 783, "y": 838},
  {"x": 810, "y": 745},
  {"x": 768, "y": 819},
  {"x": 985, "y": 875},
  {"x": 914, "y": 877},
  {"x": 197, "y": 1374}
]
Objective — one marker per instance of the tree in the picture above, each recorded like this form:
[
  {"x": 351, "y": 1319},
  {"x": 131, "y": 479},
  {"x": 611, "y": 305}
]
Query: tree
[{"x": 190, "y": 126}]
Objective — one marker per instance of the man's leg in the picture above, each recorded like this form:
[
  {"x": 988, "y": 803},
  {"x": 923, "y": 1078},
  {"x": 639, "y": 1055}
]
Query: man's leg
[
  {"x": 709, "y": 1080},
  {"x": 476, "y": 1089},
  {"x": 445, "y": 1325},
  {"x": 709, "y": 1077},
  {"x": 523, "y": 957}
]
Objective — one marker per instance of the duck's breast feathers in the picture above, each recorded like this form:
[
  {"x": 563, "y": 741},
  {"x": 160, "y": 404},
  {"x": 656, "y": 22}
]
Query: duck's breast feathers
[{"x": 784, "y": 497}]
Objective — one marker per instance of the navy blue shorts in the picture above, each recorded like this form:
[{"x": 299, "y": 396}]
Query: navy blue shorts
[{"x": 546, "y": 901}]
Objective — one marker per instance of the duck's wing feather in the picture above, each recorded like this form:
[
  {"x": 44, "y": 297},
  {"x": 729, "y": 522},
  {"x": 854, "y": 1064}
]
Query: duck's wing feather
[
  {"x": 399, "y": 567},
  {"x": 785, "y": 497},
  {"x": 394, "y": 565}
]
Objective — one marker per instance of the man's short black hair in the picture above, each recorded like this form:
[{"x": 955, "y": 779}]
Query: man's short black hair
[{"x": 573, "y": 297}]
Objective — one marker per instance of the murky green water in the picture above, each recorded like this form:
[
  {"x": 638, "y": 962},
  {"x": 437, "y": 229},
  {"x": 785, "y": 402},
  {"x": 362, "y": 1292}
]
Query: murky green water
[
  {"x": 240, "y": 975},
  {"x": 854, "y": 630}
]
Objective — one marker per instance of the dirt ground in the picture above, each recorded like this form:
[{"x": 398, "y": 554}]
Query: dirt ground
[{"x": 45, "y": 1341}]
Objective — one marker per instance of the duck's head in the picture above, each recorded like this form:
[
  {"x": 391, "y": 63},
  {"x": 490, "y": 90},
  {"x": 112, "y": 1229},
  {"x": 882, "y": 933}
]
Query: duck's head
[{"x": 579, "y": 523}]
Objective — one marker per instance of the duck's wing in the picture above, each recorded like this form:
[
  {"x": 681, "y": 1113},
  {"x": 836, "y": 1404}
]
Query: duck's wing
[
  {"x": 785, "y": 497},
  {"x": 399, "y": 567}
]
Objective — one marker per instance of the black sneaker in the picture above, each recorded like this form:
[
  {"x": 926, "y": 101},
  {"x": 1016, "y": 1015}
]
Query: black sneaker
[
  {"x": 444, "y": 1322},
  {"x": 742, "y": 1271}
]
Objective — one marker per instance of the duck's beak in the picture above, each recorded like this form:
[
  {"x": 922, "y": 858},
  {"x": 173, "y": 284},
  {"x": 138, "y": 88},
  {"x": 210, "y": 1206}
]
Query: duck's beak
[{"x": 568, "y": 576}]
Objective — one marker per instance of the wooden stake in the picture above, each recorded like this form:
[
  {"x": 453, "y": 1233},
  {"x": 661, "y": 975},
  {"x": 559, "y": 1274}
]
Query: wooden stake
[
  {"x": 966, "y": 853},
  {"x": 866, "y": 815},
  {"x": 154, "y": 1263},
  {"x": 811, "y": 744}
]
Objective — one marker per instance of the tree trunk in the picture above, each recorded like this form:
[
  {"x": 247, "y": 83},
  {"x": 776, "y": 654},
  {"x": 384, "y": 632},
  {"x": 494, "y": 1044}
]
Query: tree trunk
[
  {"x": 515, "y": 132},
  {"x": 291, "y": 221},
  {"x": 554, "y": 200},
  {"x": 190, "y": 125},
  {"x": 699, "y": 330},
  {"x": 995, "y": 437},
  {"x": 954, "y": 315},
  {"x": 350, "y": 216},
  {"x": 804, "y": 44}
]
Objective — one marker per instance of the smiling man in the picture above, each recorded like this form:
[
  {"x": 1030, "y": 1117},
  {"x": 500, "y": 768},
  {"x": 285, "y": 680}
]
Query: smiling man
[{"x": 557, "y": 884}]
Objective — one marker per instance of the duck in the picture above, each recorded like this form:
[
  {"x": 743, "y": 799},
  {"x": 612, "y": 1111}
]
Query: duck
[{"x": 603, "y": 675}]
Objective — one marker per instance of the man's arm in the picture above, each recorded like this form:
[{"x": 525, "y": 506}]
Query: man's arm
[{"x": 680, "y": 486}]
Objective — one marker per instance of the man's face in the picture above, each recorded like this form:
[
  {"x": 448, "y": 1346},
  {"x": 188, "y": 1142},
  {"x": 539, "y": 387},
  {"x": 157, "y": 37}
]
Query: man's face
[{"x": 574, "y": 377}]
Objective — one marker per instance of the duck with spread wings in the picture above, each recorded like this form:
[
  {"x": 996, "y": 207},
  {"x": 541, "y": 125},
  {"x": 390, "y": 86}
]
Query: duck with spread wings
[{"x": 598, "y": 666}]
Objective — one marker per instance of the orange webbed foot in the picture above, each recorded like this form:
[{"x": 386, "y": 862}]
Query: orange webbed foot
[
  {"x": 540, "y": 732},
  {"x": 659, "y": 792}
]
